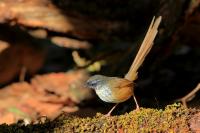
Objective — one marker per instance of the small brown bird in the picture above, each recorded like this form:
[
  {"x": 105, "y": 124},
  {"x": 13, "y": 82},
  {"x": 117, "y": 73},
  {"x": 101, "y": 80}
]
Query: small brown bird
[{"x": 117, "y": 90}]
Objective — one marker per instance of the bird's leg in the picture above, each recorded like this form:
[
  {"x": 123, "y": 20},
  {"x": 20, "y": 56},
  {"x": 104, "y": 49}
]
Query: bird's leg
[
  {"x": 137, "y": 105},
  {"x": 109, "y": 113}
]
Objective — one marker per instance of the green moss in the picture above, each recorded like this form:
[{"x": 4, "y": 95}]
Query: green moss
[{"x": 174, "y": 118}]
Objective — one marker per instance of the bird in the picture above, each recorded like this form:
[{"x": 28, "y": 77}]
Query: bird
[{"x": 117, "y": 89}]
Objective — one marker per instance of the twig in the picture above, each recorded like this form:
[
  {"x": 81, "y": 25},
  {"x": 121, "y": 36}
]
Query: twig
[
  {"x": 22, "y": 74},
  {"x": 190, "y": 95}
]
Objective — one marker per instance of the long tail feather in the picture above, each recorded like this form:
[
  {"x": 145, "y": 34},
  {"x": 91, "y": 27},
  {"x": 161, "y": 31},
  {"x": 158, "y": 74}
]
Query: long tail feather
[{"x": 144, "y": 49}]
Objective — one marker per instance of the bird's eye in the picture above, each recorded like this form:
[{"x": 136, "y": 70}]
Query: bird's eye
[{"x": 92, "y": 84}]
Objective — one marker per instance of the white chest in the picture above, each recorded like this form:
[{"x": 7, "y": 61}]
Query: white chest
[{"x": 105, "y": 94}]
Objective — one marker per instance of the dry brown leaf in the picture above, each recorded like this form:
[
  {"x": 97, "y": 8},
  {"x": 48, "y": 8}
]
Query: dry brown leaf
[
  {"x": 8, "y": 118},
  {"x": 38, "y": 33},
  {"x": 43, "y": 14},
  {"x": 34, "y": 13},
  {"x": 3, "y": 45},
  {"x": 43, "y": 108},
  {"x": 63, "y": 85},
  {"x": 27, "y": 101},
  {"x": 70, "y": 43}
]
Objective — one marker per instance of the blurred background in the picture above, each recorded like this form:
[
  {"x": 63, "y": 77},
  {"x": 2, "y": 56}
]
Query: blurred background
[{"x": 49, "y": 48}]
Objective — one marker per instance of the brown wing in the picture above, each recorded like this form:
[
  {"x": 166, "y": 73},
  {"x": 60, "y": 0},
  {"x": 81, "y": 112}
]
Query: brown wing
[
  {"x": 120, "y": 82},
  {"x": 122, "y": 88}
]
